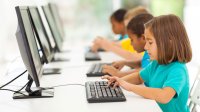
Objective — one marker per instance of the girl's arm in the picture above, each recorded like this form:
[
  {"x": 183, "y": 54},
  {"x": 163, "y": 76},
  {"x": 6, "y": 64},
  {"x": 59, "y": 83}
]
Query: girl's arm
[
  {"x": 128, "y": 72},
  {"x": 136, "y": 63},
  {"x": 116, "y": 48},
  {"x": 163, "y": 95},
  {"x": 116, "y": 72},
  {"x": 133, "y": 78}
]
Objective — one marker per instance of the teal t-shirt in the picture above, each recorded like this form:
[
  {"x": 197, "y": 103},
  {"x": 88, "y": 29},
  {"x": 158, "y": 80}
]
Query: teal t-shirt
[
  {"x": 174, "y": 75},
  {"x": 145, "y": 60},
  {"x": 123, "y": 37}
]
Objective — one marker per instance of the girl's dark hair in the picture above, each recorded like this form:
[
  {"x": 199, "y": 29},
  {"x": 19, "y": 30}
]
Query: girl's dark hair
[
  {"x": 171, "y": 38},
  {"x": 136, "y": 25},
  {"x": 119, "y": 14}
]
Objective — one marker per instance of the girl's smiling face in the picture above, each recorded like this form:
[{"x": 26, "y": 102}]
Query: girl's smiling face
[{"x": 150, "y": 46}]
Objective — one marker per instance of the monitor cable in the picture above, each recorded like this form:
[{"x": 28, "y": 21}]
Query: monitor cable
[
  {"x": 62, "y": 85},
  {"x": 18, "y": 91},
  {"x": 13, "y": 79}
]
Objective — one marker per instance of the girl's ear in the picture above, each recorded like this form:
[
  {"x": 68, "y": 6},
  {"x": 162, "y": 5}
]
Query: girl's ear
[{"x": 143, "y": 37}]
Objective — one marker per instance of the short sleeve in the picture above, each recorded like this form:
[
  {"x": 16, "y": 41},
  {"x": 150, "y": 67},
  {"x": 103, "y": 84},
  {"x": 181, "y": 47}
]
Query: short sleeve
[
  {"x": 145, "y": 74},
  {"x": 126, "y": 45},
  {"x": 145, "y": 59},
  {"x": 176, "y": 79}
]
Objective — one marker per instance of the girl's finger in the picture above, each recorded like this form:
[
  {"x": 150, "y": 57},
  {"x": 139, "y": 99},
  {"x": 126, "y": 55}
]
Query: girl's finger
[
  {"x": 106, "y": 77},
  {"x": 111, "y": 81},
  {"x": 116, "y": 84},
  {"x": 105, "y": 70},
  {"x": 104, "y": 66}
]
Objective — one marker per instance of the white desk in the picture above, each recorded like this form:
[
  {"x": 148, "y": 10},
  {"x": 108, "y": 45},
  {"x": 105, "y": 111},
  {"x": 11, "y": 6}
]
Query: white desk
[{"x": 73, "y": 98}]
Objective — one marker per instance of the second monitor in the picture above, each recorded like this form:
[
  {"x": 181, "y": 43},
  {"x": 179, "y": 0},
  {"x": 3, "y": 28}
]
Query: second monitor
[{"x": 42, "y": 39}]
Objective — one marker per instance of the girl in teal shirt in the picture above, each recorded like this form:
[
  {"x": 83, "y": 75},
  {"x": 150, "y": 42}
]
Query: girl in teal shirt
[{"x": 166, "y": 78}]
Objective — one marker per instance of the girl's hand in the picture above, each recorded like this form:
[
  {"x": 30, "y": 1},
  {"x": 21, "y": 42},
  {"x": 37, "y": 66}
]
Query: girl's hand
[
  {"x": 111, "y": 70},
  {"x": 96, "y": 44},
  {"x": 115, "y": 81},
  {"x": 112, "y": 81},
  {"x": 106, "y": 44},
  {"x": 99, "y": 40},
  {"x": 95, "y": 47},
  {"x": 118, "y": 64}
]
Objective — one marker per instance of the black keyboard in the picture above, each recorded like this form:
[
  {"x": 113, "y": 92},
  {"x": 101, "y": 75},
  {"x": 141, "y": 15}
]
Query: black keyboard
[
  {"x": 98, "y": 50},
  {"x": 101, "y": 50},
  {"x": 96, "y": 70},
  {"x": 91, "y": 56},
  {"x": 98, "y": 91}
]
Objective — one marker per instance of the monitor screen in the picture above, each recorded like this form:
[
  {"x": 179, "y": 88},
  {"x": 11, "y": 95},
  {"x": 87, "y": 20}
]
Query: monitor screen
[
  {"x": 53, "y": 27},
  {"x": 47, "y": 29},
  {"x": 57, "y": 19},
  {"x": 27, "y": 45},
  {"x": 41, "y": 34}
]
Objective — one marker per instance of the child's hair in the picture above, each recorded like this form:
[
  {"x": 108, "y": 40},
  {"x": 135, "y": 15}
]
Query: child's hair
[
  {"x": 171, "y": 39},
  {"x": 134, "y": 12},
  {"x": 118, "y": 15},
  {"x": 136, "y": 25}
]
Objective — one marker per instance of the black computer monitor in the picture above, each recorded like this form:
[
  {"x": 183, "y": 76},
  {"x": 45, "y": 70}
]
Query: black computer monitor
[
  {"x": 53, "y": 27},
  {"x": 44, "y": 38},
  {"x": 41, "y": 35},
  {"x": 54, "y": 10},
  {"x": 50, "y": 38},
  {"x": 30, "y": 55}
]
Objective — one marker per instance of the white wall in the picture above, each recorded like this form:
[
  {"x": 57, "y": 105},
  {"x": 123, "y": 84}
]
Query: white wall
[
  {"x": 8, "y": 25},
  {"x": 192, "y": 23}
]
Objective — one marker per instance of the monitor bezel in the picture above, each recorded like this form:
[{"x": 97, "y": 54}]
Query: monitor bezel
[{"x": 30, "y": 64}]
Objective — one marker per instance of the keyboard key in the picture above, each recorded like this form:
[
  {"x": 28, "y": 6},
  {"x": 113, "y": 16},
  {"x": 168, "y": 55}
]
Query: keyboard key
[
  {"x": 108, "y": 92},
  {"x": 104, "y": 94},
  {"x": 93, "y": 94},
  {"x": 100, "y": 93},
  {"x": 97, "y": 82},
  {"x": 105, "y": 83},
  {"x": 117, "y": 92},
  {"x": 113, "y": 92},
  {"x": 101, "y": 83}
]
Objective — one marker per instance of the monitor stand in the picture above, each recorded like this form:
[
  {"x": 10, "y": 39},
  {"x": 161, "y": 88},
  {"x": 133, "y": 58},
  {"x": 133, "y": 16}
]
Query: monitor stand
[
  {"x": 59, "y": 59},
  {"x": 51, "y": 71},
  {"x": 65, "y": 51},
  {"x": 35, "y": 93}
]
